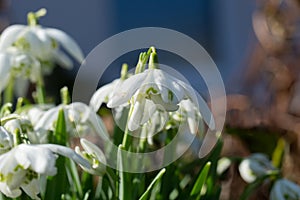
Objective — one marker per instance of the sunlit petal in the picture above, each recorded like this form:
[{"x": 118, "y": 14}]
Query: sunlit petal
[{"x": 67, "y": 42}]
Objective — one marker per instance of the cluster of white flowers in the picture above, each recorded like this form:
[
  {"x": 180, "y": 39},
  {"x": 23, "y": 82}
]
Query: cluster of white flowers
[
  {"x": 25, "y": 154},
  {"x": 22, "y": 162},
  {"x": 28, "y": 51},
  {"x": 153, "y": 98}
]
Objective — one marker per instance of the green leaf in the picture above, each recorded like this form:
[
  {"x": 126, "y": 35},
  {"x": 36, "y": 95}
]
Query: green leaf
[
  {"x": 201, "y": 180},
  {"x": 73, "y": 177},
  {"x": 278, "y": 153},
  {"x": 60, "y": 133},
  {"x": 152, "y": 184}
]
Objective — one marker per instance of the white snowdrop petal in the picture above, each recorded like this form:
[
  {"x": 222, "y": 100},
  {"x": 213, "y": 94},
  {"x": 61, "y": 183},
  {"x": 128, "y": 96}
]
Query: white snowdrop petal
[
  {"x": 67, "y": 42},
  {"x": 32, "y": 189},
  {"x": 35, "y": 45},
  {"x": 62, "y": 59},
  {"x": 7, "y": 160},
  {"x": 41, "y": 160},
  {"x": 246, "y": 172},
  {"x": 10, "y": 35},
  {"x": 9, "y": 192},
  {"x": 81, "y": 109},
  {"x": 149, "y": 110},
  {"x": 126, "y": 90},
  {"x": 170, "y": 90},
  {"x": 67, "y": 152},
  {"x": 6, "y": 140},
  {"x": 5, "y": 66},
  {"x": 47, "y": 119},
  {"x": 102, "y": 95},
  {"x": 91, "y": 148},
  {"x": 135, "y": 117}
]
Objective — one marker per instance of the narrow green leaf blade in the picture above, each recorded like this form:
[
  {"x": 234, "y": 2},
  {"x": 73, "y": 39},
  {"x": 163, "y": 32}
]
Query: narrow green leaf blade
[
  {"x": 60, "y": 132},
  {"x": 201, "y": 179},
  {"x": 152, "y": 184}
]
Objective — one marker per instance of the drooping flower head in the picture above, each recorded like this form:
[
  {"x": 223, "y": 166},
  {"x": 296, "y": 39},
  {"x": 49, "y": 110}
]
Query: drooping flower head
[
  {"x": 28, "y": 51},
  {"x": 22, "y": 162},
  {"x": 153, "y": 87},
  {"x": 255, "y": 166}
]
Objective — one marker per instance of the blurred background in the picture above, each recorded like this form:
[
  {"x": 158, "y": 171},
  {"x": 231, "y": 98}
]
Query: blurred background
[
  {"x": 255, "y": 45},
  {"x": 222, "y": 28}
]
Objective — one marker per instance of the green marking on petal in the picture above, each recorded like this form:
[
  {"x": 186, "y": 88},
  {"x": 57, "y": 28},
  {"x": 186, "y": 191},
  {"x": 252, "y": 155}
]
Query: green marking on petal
[
  {"x": 30, "y": 175},
  {"x": 2, "y": 177},
  {"x": 22, "y": 43},
  {"x": 18, "y": 167},
  {"x": 54, "y": 43},
  {"x": 151, "y": 90},
  {"x": 170, "y": 95}
]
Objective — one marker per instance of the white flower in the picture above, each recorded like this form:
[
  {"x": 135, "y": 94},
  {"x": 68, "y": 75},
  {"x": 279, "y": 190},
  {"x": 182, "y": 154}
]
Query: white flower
[
  {"x": 95, "y": 157},
  {"x": 153, "y": 86},
  {"x": 285, "y": 189},
  {"x": 103, "y": 94},
  {"x": 223, "y": 164},
  {"x": 154, "y": 125},
  {"x": 106, "y": 92},
  {"x": 34, "y": 114},
  {"x": 189, "y": 113},
  {"x": 255, "y": 166},
  {"x": 42, "y": 43},
  {"x": 18, "y": 65},
  {"x": 79, "y": 118},
  {"x": 22, "y": 167},
  {"x": 6, "y": 140},
  {"x": 28, "y": 51}
]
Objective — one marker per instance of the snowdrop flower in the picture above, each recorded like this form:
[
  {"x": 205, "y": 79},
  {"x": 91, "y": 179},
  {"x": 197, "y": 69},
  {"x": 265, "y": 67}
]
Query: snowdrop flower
[
  {"x": 103, "y": 94},
  {"x": 95, "y": 157},
  {"x": 189, "y": 113},
  {"x": 19, "y": 127},
  {"x": 285, "y": 189},
  {"x": 41, "y": 43},
  {"x": 34, "y": 114},
  {"x": 151, "y": 86},
  {"x": 6, "y": 140},
  {"x": 106, "y": 92},
  {"x": 255, "y": 166},
  {"x": 18, "y": 65},
  {"x": 80, "y": 119},
  {"x": 27, "y": 52},
  {"x": 21, "y": 167},
  {"x": 154, "y": 125}
]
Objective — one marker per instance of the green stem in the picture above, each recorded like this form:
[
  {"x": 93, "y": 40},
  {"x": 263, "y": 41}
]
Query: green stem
[
  {"x": 33, "y": 18},
  {"x": 40, "y": 91},
  {"x": 9, "y": 91},
  {"x": 127, "y": 139}
]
